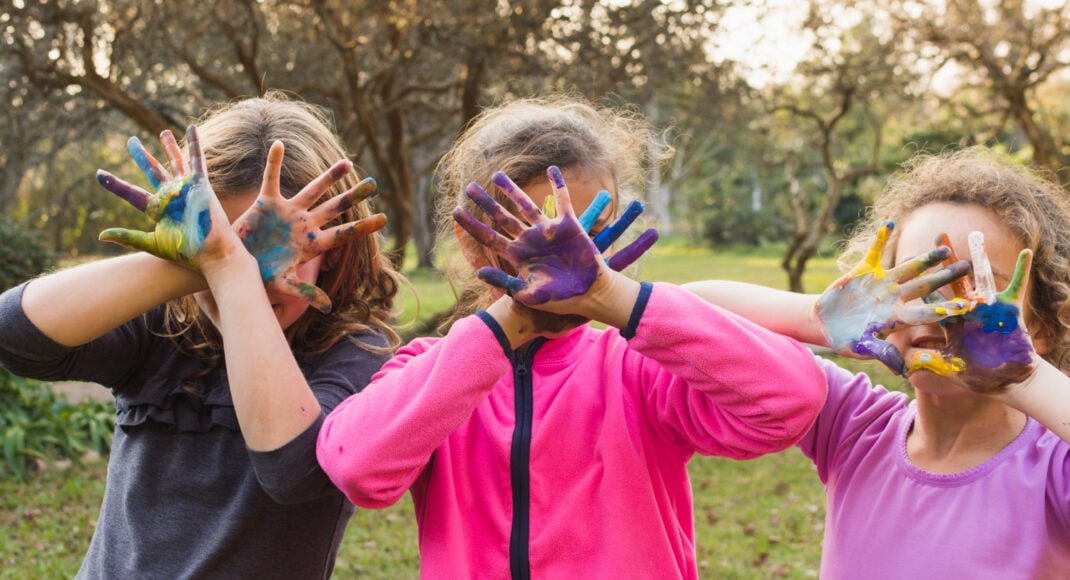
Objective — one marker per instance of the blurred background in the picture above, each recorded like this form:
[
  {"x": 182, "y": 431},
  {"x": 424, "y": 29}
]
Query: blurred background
[
  {"x": 783, "y": 119},
  {"x": 784, "y": 116}
]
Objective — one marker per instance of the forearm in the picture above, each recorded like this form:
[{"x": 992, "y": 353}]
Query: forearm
[
  {"x": 783, "y": 312},
  {"x": 272, "y": 398},
  {"x": 748, "y": 390},
  {"x": 375, "y": 444},
  {"x": 76, "y": 305},
  {"x": 1045, "y": 396}
]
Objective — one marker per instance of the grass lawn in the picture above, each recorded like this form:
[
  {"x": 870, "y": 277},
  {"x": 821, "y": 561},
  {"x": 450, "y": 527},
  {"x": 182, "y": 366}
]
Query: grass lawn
[{"x": 755, "y": 519}]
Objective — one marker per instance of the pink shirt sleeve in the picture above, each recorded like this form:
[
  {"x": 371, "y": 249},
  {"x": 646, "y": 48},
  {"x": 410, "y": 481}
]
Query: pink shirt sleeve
[
  {"x": 374, "y": 445},
  {"x": 722, "y": 385}
]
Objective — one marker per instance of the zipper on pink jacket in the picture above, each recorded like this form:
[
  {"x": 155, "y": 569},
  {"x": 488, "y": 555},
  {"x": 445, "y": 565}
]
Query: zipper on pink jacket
[{"x": 520, "y": 459}]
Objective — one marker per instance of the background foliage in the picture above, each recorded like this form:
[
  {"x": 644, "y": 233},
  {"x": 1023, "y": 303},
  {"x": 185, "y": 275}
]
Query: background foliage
[
  {"x": 38, "y": 425},
  {"x": 779, "y": 112}
]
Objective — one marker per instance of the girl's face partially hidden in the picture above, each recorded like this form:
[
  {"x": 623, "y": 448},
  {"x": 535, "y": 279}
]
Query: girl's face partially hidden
[
  {"x": 582, "y": 189},
  {"x": 917, "y": 235}
]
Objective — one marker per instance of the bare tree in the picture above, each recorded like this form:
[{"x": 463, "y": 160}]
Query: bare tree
[
  {"x": 833, "y": 106},
  {"x": 1008, "y": 50}
]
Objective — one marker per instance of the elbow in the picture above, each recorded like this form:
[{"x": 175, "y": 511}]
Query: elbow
[
  {"x": 362, "y": 484},
  {"x": 363, "y": 493},
  {"x": 810, "y": 390},
  {"x": 291, "y": 492}
]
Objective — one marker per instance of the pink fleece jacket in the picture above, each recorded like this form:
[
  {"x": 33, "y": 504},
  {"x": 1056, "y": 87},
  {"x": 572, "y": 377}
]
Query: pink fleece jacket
[{"x": 577, "y": 464}]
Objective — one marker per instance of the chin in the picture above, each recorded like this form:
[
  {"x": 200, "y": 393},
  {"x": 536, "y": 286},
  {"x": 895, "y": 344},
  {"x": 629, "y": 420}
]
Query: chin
[{"x": 930, "y": 383}]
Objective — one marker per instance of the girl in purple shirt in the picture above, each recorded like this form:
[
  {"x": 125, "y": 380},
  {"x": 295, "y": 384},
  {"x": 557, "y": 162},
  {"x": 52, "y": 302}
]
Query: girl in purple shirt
[{"x": 971, "y": 478}]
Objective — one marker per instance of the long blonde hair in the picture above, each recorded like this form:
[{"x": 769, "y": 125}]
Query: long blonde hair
[
  {"x": 522, "y": 138},
  {"x": 236, "y": 138},
  {"x": 1031, "y": 206}
]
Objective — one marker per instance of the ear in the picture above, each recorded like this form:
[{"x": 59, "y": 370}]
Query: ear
[
  {"x": 1041, "y": 336},
  {"x": 331, "y": 259}
]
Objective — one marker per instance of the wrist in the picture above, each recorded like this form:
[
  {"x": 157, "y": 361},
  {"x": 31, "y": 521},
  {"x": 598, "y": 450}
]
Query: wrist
[
  {"x": 611, "y": 299},
  {"x": 813, "y": 329},
  {"x": 236, "y": 261},
  {"x": 518, "y": 329}
]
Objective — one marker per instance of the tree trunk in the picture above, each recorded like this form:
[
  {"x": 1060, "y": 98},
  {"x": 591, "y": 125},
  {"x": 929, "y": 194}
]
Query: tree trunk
[{"x": 423, "y": 225}]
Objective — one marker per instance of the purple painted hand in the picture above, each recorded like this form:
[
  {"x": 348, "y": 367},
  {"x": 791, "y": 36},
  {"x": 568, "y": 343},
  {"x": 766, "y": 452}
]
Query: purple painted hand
[
  {"x": 284, "y": 233},
  {"x": 860, "y": 309},
  {"x": 554, "y": 258},
  {"x": 989, "y": 347}
]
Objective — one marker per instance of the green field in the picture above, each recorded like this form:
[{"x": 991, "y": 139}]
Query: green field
[{"x": 755, "y": 519}]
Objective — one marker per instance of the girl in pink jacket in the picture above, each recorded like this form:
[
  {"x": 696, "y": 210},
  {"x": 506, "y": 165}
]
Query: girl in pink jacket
[{"x": 537, "y": 445}]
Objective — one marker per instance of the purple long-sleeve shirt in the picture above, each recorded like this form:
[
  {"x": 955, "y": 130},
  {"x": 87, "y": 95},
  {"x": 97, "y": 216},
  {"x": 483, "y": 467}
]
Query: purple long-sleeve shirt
[{"x": 1008, "y": 517}]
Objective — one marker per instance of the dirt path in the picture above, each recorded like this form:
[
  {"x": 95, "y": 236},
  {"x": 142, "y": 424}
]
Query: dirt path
[{"x": 78, "y": 392}]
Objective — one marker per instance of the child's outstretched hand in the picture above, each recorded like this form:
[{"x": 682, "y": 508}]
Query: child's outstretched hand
[
  {"x": 604, "y": 239},
  {"x": 860, "y": 309},
  {"x": 179, "y": 207},
  {"x": 281, "y": 234},
  {"x": 284, "y": 233},
  {"x": 988, "y": 347},
  {"x": 554, "y": 257}
]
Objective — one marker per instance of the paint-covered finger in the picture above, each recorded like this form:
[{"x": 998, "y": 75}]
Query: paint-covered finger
[
  {"x": 483, "y": 233},
  {"x": 312, "y": 192},
  {"x": 505, "y": 222},
  {"x": 1013, "y": 291},
  {"x": 174, "y": 153},
  {"x": 133, "y": 239},
  {"x": 196, "y": 154},
  {"x": 549, "y": 207},
  {"x": 310, "y": 293},
  {"x": 341, "y": 203},
  {"x": 343, "y": 234},
  {"x": 630, "y": 253},
  {"x": 883, "y": 351},
  {"x": 606, "y": 237},
  {"x": 133, "y": 194},
  {"x": 962, "y": 286},
  {"x": 934, "y": 361},
  {"x": 983, "y": 280},
  {"x": 918, "y": 264},
  {"x": 590, "y": 216},
  {"x": 146, "y": 162},
  {"x": 927, "y": 313},
  {"x": 499, "y": 279},
  {"x": 872, "y": 261},
  {"x": 564, "y": 200},
  {"x": 524, "y": 205},
  {"x": 928, "y": 283}
]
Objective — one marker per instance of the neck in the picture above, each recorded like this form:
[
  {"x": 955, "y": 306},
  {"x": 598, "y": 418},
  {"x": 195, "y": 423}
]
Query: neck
[{"x": 957, "y": 432}]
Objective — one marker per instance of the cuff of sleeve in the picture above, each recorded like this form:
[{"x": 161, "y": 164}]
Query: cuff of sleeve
[
  {"x": 21, "y": 336},
  {"x": 291, "y": 473},
  {"x": 496, "y": 328},
  {"x": 637, "y": 311}
]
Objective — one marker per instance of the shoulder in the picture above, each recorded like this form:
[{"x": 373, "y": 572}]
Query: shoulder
[{"x": 855, "y": 407}]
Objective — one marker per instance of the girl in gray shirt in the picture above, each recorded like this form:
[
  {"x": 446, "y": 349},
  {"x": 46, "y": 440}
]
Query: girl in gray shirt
[{"x": 216, "y": 344}]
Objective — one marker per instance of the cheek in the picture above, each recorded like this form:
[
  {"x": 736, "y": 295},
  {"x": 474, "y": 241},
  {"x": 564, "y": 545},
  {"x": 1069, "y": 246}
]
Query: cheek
[
  {"x": 900, "y": 339},
  {"x": 310, "y": 270}
]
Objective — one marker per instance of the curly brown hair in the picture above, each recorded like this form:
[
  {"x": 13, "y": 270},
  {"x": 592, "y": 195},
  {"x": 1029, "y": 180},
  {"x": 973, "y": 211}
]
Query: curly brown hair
[
  {"x": 236, "y": 138},
  {"x": 1029, "y": 203},
  {"x": 522, "y": 138}
]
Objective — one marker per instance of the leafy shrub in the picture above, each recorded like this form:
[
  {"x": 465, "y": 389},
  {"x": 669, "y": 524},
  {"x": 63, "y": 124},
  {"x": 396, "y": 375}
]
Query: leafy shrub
[
  {"x": 36, "y": 423},
  {"x": 22, "y": 255}
]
